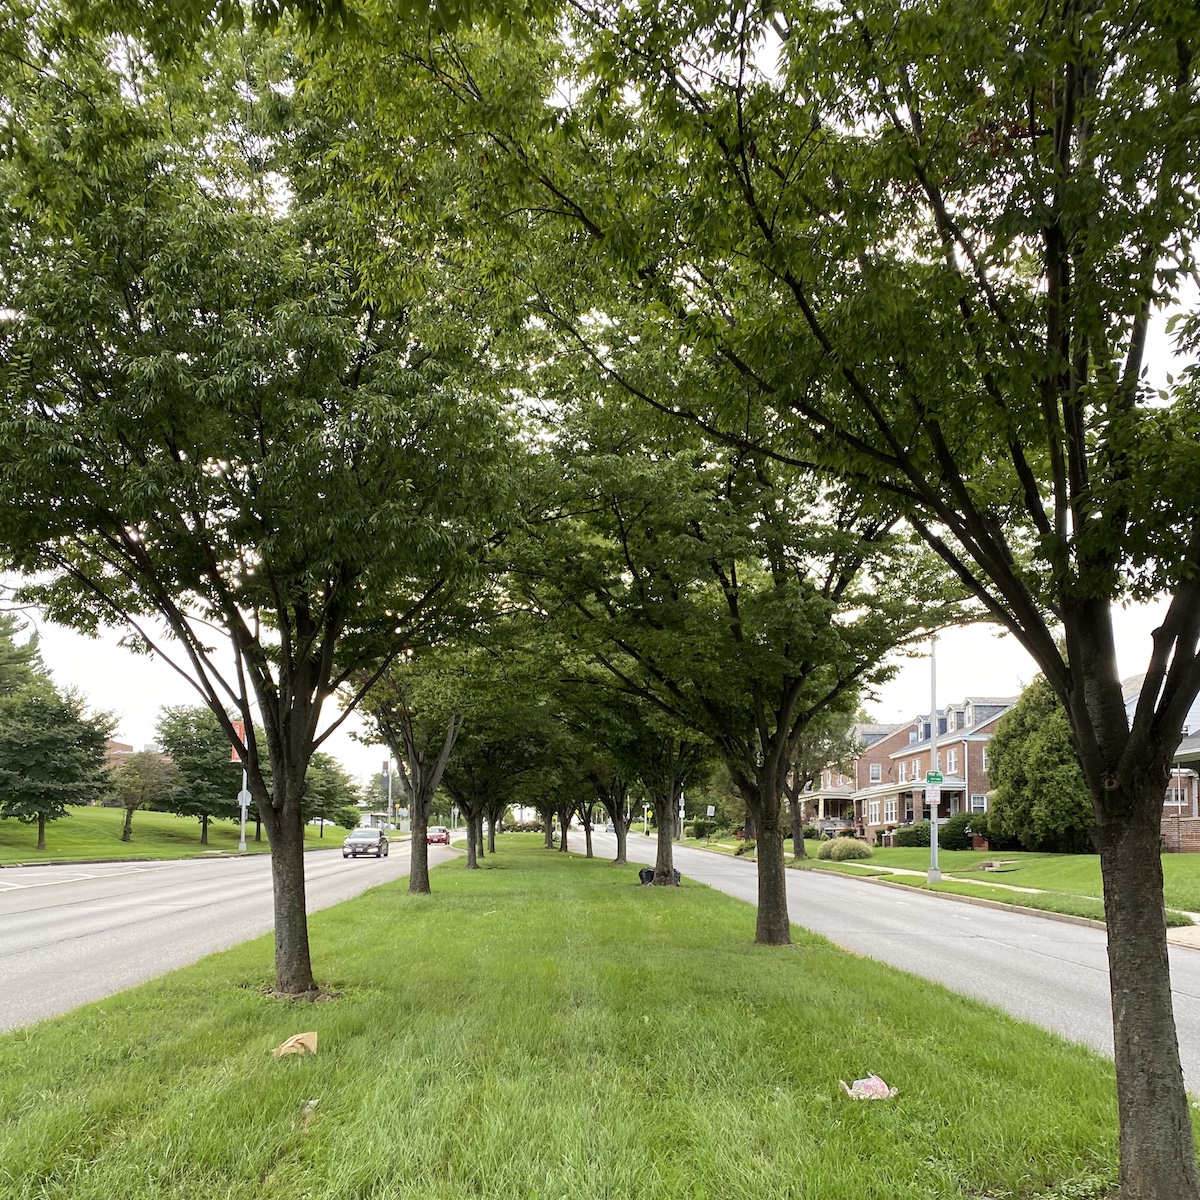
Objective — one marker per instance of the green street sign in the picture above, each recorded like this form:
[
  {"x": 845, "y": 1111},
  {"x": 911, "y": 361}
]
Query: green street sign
[{"x": 933, "y": 777}]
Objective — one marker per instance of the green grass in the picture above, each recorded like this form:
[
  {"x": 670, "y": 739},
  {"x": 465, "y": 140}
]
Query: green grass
[
  {"x": 1064, "y": 878},
  {"x": 544, "y": 1029},
  {"x": 95, "y": 833}
]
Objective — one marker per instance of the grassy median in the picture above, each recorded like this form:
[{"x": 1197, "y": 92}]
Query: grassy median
[{"x": 544, "y": 1028}]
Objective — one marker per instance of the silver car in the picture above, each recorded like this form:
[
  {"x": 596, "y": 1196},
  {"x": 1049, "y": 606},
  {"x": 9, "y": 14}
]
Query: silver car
[{"x": 365, "y": 841}]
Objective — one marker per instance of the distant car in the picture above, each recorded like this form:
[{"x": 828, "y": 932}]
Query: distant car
[
  {"x": 610, "y": 828},
  {"x": 365, "y": 841},
  {"x": 437, "y": 833}
]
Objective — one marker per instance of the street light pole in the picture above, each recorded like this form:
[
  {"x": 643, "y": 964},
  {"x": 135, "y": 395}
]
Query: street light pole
[{"x": 933, "y": 777}]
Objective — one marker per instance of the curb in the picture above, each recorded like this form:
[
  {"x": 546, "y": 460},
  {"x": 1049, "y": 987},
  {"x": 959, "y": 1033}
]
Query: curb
[{"x": 978, "y": 902}]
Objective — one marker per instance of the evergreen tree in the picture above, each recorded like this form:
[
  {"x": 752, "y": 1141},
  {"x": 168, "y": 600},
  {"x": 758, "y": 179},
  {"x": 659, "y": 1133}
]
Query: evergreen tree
[{"x": 1040, "y": 796}]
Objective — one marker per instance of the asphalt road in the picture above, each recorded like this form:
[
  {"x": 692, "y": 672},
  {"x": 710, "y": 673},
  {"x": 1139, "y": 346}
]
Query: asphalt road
[
  {"x": 72, "y": 934},
  {"x": 1046, "y": 972}
]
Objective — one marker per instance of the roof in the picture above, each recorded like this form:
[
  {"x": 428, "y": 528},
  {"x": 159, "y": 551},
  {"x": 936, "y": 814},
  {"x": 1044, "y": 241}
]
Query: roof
[
  {"x": 1188, "y": 750},
  {"x": 958, "y": 735},
  {"x": 870, "y": 733}
]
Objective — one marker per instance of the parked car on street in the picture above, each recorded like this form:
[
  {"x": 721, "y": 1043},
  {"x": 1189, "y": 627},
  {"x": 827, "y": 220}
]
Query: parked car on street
[
  {"x": 365, "y": 841},
  {"x": 437, "y": 834}
]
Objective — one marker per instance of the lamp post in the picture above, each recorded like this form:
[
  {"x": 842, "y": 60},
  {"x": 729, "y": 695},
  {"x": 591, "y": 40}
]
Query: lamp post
[
  {"x": 933, "y": 777},
  {"x": 239, "y": 728}
]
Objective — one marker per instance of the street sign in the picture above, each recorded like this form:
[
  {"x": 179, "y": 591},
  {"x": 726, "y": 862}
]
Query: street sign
[
  {"x": 933, "y": 795},
  {"x": 244, "y": 798},
  {"x": 239, "y": 729},
  {"x": 933, "y": 777},
  {"x": 712, "y": 810}
]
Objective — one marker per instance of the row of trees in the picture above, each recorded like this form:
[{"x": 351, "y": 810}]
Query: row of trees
[{"x": 677, "y": 328}]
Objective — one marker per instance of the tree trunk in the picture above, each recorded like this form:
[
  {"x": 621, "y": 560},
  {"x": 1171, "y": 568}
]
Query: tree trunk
[
  {"x": 418, "y": 852},
  {"x": 664, "y": 862},
  {"x": 750, "y": 826},
  {"x": 472, "y": 857},
  {"x": 479, "y": 834},
  {"x": 127, "y": 828},
  {"x": 1157, "y": 1152},
  {"x": 548, "y": 830},
  {"x": 41, "y": 845},
  {"x": 621, "y": 829},
  {"x": 491, "y": 845},
  {"x": 798, "y": 848},
  {"x": 258, "y": 828},
  {"x": 564, "y": 819},
  {"x": 293, "y": 962},
  {"x": 587, "y": 835},
  {"x": 204, "y": 829},
  {"x": 771, "y": 927}
]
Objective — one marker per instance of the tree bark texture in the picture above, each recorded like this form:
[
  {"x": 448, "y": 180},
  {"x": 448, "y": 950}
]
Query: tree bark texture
[
  {"x": 771, "y": 926},
  {"x": 664, "y": 862},
  {"x": 285, "y": 832},
  {"x": 472, "y": 857},
  {"x": 491, "y": 836},
  {"x": 798, "y": 848},
  {"x": 127, "y": 828},
  {"x": 1158, "y": 1157},
  {"x": 204, "y": 829},
  {"x": 480, "y": 850},
  {"x": 41, "y": 842},
  {"x": 621, "y": 829},
  {"x": 418, "y": 851},
  {"x": 564, "y": 820}
]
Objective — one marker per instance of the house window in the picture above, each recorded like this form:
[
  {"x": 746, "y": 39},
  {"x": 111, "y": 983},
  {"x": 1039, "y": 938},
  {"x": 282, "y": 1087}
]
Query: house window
[
  {"x": 889, "y": 812},
  {"x": 952, "y": 762},
  {"x": 908, "y": 809},
  {"x": 985, "y": 758},
  {"x": 954, "y": 802},
  {"x": 916, "y": 768},
  {"x": 873, "y": 813},
  {"x": 978, "y": 802},
  {"x": 904, "y": 772},
  {"x": 876, "y": 772}
]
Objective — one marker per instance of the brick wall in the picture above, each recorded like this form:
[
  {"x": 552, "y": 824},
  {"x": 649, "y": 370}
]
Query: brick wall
[{"x": 1181, "y": 834}]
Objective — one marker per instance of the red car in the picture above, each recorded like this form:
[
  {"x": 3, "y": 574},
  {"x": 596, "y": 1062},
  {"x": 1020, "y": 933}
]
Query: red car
[{"x": 437, "y": 833}]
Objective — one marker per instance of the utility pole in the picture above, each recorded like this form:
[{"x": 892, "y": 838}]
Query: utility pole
[{"x": 933, "y": 777}]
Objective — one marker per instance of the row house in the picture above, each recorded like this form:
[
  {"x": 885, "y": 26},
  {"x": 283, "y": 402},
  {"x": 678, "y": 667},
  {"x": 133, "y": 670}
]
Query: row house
[
  {"x": 1181, "y": 799},
  {"x": 829, "y": 803},
  {"x": 889, "y": 776}
]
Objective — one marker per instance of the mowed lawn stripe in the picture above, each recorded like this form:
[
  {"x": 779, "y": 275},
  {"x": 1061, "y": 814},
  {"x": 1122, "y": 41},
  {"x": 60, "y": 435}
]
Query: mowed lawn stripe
[{"x": 546, "y": 1028}]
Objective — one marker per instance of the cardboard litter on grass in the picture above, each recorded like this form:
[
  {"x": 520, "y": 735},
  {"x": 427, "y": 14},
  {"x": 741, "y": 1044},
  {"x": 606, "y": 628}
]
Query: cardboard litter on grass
[
  {"x": 871, "y": 1088},
  {"x": 298, "y": 1043}
]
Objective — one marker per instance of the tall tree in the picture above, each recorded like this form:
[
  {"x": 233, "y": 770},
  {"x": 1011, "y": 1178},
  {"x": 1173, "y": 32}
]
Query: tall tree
[
  {"x": 144, "y": 779},
  {"x": 199, "y": 748},
  {"x": 728, "y": 592},
  {"x": 51, "y": 755},
  {"x": 929, "y": 241},
  {"x": 413, "y": 709},
  {"x": 329, "y": 793},
  {"x": 210, "y": 417},
  {"x": 1039, "y": 794},
  {"x": 19, "y": 661}
]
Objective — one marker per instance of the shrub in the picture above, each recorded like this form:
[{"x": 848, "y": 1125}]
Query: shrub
[
  {"x": 809, "y": 833},
  {"x": 745, "y": 847},
  {"x": 954, "y": 834},
  {"x": 825, "y": 850},
  {"x": 846, "y": 849},
  {"x": 703, "y": 827},
  {"x": 913, "y": 835}
]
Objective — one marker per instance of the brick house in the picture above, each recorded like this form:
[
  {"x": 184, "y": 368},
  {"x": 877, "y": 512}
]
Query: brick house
[
  {"x": 893, "y": 769},
  {"x": 830, "y": 800}
]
